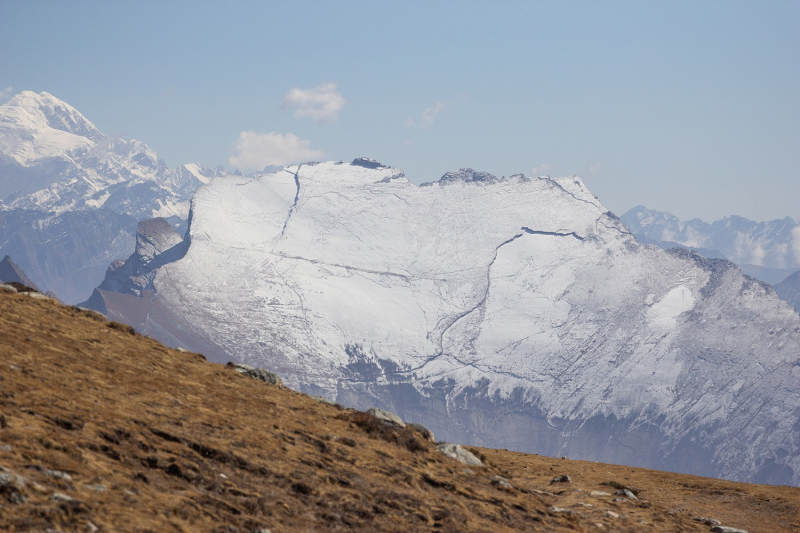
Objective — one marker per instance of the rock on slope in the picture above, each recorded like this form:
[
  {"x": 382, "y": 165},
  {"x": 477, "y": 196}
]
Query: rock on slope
[
  {"x": 508, "y": 312},
  {"x": 104, "y": 430},
  {"x": 55, "y": 163}
]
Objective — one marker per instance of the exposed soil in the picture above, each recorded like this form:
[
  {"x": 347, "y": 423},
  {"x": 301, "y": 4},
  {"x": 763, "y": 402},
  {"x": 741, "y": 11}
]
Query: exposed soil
[{"x": 101, "y": 428}]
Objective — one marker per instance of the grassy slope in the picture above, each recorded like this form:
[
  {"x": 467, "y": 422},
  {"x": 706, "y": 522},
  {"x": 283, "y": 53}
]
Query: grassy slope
[{"x": 159, "y": 440}]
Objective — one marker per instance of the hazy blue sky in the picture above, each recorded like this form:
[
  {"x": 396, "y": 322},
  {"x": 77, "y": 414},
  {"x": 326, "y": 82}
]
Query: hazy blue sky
[{"x": 691, "y": 107}]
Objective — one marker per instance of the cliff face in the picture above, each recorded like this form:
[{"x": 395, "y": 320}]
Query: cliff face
[{"x": 508, "y": 312}]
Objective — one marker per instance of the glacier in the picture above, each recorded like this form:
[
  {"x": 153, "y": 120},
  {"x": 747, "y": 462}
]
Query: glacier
[{"x": 513, "y": 312}]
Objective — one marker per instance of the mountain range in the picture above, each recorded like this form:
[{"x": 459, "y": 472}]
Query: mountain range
[
  {"x": 769, "y": 251},
  {"x": 70, "y": 196},
  {"x": 512, "y": 312}
]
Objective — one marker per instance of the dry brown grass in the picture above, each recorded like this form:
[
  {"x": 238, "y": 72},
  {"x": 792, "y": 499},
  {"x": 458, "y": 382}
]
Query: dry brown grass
[{"x": 180, "y": 444}]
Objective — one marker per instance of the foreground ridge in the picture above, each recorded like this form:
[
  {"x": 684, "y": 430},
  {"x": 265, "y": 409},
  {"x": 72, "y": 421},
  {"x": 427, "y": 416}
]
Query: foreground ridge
[{"x": 102, "y": 429}]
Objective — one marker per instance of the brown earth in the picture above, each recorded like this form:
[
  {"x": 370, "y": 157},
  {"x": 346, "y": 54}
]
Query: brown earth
[{"x": 132, "y": 436}]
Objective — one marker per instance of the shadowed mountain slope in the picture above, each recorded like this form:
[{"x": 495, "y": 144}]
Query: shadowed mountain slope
[{"x": 11, "y": 273}]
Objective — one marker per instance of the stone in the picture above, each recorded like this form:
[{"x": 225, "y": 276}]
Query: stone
[
  {"x": 707, "y": 521},
  {"x": 598, "y": 493},
  {"x": 725, "y": 529},
  {"x": 561, "y": 479},
  {"x": 92, "y": 528},
  {"x": 612, "y": 514},
  {"x": 501, "y": 482},
  {"x": 386, "y": 416},
  {"x": 58, "y": 474},
  {"x": 97, "y": 488},
  {"x": 426, "y": 433},
  {"x": 260, "y": 374},
  {"x": 11, "y": 480},
  {"x": 6, "y": 447},
  {"x": 38, "y": 296},
  {"x": 60, "y": 497},
  {"x": 629, "y": 494},
  {"x": 457, "y": 452},
  {"x": 560, "y": 510}
]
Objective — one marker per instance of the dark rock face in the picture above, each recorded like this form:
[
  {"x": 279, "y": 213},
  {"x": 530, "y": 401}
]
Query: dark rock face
[
  {"x": 11, "y": 273},
  {"x": 789, "y": 290},
  {"x": 67, "y": 253},
  {"x": 366, "y": 163},
  {"x": 260, "y": 374},
  {"x": 127, "y": 289},
  {"x": 467, "y": 175}
]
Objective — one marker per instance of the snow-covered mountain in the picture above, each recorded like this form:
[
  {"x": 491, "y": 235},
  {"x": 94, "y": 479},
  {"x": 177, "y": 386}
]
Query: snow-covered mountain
[
  {"x": 53, "y": 163},
  {"x": 513, "y": 312},
  {"x": 769, "y": 251}
]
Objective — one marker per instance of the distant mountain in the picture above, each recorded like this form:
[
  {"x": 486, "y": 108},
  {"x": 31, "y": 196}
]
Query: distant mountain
[
  {"x": 11, "y": 273},
  {"x": 54, "y": 163},
  {"x": 769, "y": 251},
  {"x": 789, "y": 289},
  {"x": 513, "y": 312}
]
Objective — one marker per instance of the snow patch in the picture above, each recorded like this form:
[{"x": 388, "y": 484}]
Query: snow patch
[{"x": 664, "y": 313}]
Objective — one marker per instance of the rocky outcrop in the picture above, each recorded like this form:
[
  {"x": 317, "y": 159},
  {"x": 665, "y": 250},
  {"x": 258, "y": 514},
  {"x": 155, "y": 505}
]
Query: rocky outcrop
[
  {"x": 127, "y": 289},
  {"x": 258, "y": 373},
  {"x": 457, "y": 452},
  {"x": 386, "y": 416}
]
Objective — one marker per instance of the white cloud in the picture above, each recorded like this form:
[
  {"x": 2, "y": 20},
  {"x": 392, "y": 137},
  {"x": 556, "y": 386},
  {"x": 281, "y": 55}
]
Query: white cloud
[
  {"x": 254, "y": 151},
  {"x": 321, "y": 103},
  {"x": 594, "y": 168},
  {"x": 6, "y": 93},
  {"x": 541, "y": 170},
  {"x": 428, "y": 117}
]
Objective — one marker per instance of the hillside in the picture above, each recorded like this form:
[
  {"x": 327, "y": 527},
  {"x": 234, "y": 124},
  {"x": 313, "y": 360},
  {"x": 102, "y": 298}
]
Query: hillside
[{"x": 106, "y": 430}]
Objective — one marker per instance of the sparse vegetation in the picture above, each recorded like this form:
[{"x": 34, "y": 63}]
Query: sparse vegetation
[{"x": 127, "y": 435}]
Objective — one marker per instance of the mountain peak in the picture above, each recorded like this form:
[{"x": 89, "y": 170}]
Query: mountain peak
[
  {"x": 44, "y": 109},
  {"x": 11, "y": 273}
]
